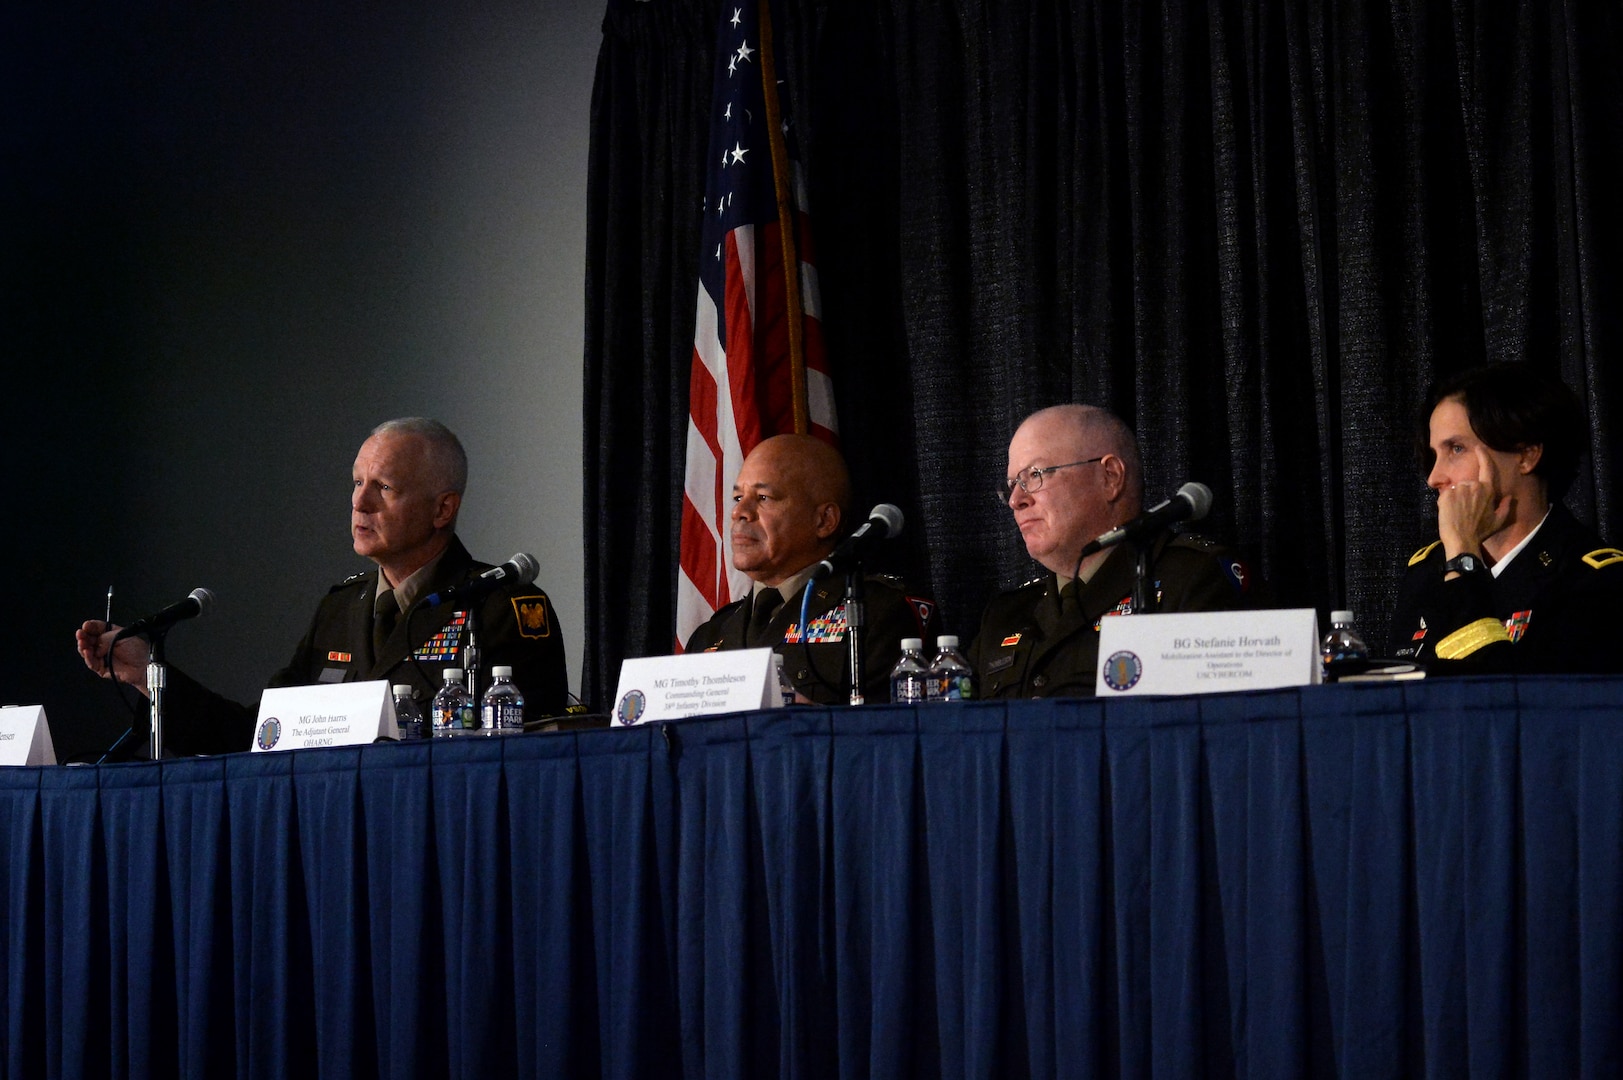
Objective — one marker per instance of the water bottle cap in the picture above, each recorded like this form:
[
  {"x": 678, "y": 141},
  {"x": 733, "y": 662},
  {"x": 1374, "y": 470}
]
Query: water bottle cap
[
  {"x": 401, "y": 689},
  {"x": 947, "y": 641},
  {"x": 453, "y": 674},
  {"x": 501, "y": 671},
  {"x": 1341, "y": 616},
  {"x": 912, "y": 644}
]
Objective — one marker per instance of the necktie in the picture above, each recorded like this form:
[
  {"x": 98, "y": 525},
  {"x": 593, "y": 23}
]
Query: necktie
[
  {"x": 766, "y": 605},
  {"x": 385, "y": 612}
]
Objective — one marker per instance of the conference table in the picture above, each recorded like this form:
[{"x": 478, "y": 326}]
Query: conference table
[{"x": 1418, "y": 878}]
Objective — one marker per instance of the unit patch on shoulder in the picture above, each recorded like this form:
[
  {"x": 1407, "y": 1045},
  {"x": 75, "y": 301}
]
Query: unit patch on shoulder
[
  {"x": 923, "y": 609},
  {"x": 1516, "y": 625},
  {"x": 443, "y": 645},
  {"x": 1601, "y": 558},
  {"x": 530, "y": 612},
  {"x": 1420, "y": 556}
]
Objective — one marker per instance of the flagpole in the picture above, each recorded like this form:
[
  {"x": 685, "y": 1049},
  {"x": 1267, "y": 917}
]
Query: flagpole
[{"x": 794, "y": 309}]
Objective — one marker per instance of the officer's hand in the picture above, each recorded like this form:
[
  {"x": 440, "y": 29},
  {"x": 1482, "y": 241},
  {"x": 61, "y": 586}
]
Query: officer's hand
[
  {"x": 129, "y": 659},
  {"x": 1473, "y": 510}
]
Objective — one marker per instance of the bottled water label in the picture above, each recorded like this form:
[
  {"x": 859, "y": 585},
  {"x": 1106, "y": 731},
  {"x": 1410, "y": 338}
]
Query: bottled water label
[{"x": 504, "y": 716}]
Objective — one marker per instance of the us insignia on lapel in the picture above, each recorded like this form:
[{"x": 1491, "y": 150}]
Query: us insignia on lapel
[{"x": 530, "y": 612}]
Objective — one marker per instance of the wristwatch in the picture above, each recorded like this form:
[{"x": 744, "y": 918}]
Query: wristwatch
[{"x": 1464, "y": 563}]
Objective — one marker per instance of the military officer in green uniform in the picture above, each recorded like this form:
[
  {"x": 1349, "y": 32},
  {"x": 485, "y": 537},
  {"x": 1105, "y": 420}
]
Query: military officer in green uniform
[
  {"x": 790, "y": 503},
  {"x": 408, "y": 480},
  {"x": 1074, "y": 473},
  {"x": 1514, "y": 583}
]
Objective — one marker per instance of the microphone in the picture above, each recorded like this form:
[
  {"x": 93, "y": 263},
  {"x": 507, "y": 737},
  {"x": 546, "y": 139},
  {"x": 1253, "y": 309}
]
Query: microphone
[
  {"x": 1190, "y": 504},
  {"x": 519, "y": 570},
  {"x": 884, "y": 521},
  {"x": 197, "y": 602}
]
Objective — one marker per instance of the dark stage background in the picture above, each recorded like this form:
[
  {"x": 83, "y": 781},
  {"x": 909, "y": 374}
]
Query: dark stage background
[
  {"x": 231, "y": 241},
  {"x": 1256, "y": 230}
]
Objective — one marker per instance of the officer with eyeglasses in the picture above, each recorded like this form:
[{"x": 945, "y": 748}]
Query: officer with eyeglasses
[{"x": 1074, "y": 473}]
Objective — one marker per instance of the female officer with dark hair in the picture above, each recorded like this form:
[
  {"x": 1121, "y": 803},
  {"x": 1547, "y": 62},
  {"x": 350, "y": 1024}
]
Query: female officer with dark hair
[{"x": 1514, "y": 582}]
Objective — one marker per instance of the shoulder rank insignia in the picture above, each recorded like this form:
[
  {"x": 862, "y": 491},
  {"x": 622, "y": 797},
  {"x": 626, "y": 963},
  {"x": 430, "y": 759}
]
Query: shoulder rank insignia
[
  {"x": 530, "y": 612},
  {"x": 352, "y": 579},
  {"x": 1601, "y": 558},
  {"x": 1420, "y": 556}
]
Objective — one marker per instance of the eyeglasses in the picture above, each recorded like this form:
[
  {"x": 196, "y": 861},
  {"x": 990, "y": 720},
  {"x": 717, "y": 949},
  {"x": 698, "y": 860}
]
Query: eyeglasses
[{"x": 1031, "y": 480}]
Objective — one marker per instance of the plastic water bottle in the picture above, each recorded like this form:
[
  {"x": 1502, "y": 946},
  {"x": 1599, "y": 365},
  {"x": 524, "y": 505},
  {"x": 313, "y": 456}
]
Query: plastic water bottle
[
  {"x": 951, "y": 677},
  {"x": 911, "y": 672},
  {"x": 408, "y": 717},
  {"x": 504, "y": 704},
  {"x": 1343, "y": 646},
  {"x": 453, "y": 709},
  {"x": 786, "y": 689}
]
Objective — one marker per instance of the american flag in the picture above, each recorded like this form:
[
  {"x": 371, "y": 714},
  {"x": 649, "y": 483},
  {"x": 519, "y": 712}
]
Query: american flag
[{"x": 745, "y": 370}]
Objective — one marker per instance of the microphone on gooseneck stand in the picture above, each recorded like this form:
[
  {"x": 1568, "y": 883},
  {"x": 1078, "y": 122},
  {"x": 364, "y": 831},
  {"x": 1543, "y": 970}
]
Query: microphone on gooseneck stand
[
  {"x": 884, "y": 522},
  {"x": 152, "y": 628},
  {"x": 519, "y": 570},
  {"x": 197, "y": 602},
  {"x": 1192, "y": 502}
]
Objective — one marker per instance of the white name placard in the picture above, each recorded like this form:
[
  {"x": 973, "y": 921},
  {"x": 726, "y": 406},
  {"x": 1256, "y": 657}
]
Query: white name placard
[
  {"x": 1208, "y": 652},
  {"x": 695, "y": 684},
  {"x": 335, "y": 714},
  {"x": 25, "y": 738}
]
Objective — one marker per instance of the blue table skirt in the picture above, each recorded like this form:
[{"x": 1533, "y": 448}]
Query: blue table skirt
[{"x": 1371, "y": 880}]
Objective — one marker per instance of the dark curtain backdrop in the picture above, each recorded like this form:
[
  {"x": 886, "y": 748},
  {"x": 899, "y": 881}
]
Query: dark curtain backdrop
[{"x": 1257, "y": 229}]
